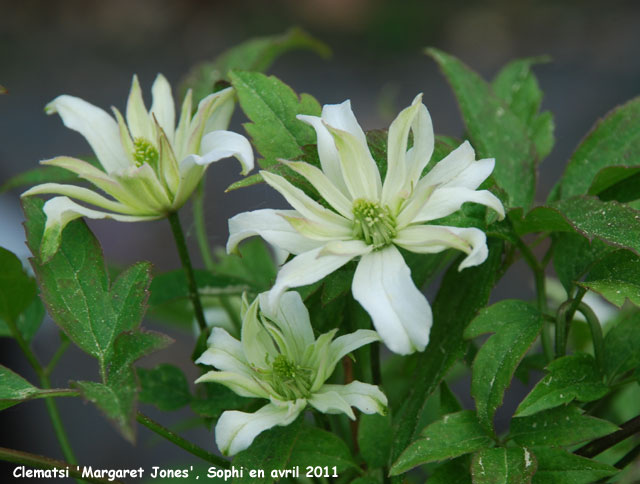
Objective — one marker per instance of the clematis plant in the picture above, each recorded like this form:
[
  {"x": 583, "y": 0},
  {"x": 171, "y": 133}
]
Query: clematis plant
[
  {"x": 369, "y": 219},
  {"x": 150, "y": 167},
  {"x": 279, "y": 359}
]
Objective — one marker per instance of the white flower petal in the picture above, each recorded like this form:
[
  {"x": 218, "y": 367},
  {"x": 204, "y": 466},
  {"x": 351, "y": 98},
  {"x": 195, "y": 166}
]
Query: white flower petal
[
  {"x": 401, "y": 314},
  {"x": 182, "y": 131},
  {"x": 423, "y": 141},
  {"x": 272, "y": 227},
  {"x": 478, "y": 242},
  {"x": 473, "y": 175},
  {"x": 347, "y": 343},
  {"x": 235, "y": 430},
  {"x": 351, "y": 248},
  {"x": 303, "y": 204},
  {"x": 163, "y": 107},
  {"x": 218, "y": 145},
  {"x": 329, "y": 401},
  {"x": 292, "y": 318},
  {"x": 256, "y": 342},
  {"x": 318, "y": 231},
  {"x": 214, "y": 106},
  {"x": 225, "y": 353},
  {"x": 305, "y": 269},
  {"x": 451, "y": 165},
  {"x": 236, "y": 382},
  {"x": 340, "y": 116},
  {"x": 366, "y": 398},
  {"x": 143, "y": 181},
  {"x": 138, "y": 119},
  {"x": 327, "y": 152},
  {"x": 99, "y": 129},
  {"x": 61, "y": 210},
  {"x": 445, "y": 201}
]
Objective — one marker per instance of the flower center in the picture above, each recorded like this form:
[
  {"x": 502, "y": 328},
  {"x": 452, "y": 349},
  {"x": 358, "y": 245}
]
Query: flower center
[
  {"x": 289, "y": 379},
  {"x": 145, "y": 152},
  {"x": 373, "y": 223}
]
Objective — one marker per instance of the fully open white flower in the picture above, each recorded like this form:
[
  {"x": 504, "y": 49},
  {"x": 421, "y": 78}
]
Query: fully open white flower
[
  {"x": 278, "y": 358},
  {"x": 150, "y": 167},
  {"x": 367, "y": 218}
]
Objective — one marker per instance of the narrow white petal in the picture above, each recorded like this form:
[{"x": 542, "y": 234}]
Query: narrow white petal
[
  {"x": 327, "y": 400},
  {"x": 292, "y": 318},
  {"x": 326, "y": 188},
  {"x": 236, "y": 430},
  {"x": 401, "y": 314},
  {"x": 214, "y": 106},
  {"x": 221, "y": 115},
  {"x": 343, "y": 345},
  {"x": 184, "y": 124},
  {"x": 366, "y": 398},
  {"x": 144, "y": 183},
  {"x": 451, "y": 165},
  {"x": 477, "y": 239},
  {"x": 272, "y": 227},
  {"x": 445, "y": 201},
  {"x": 351, "y": 248},
  {"x": 224, "y": 353},
  {"x": 359, "y": 170},
  {"x": 239, "y": 383},
  {"x": 303, "y": 204},
  {"x": 61, "y": 210},
  {"x": 317, "y": 230},
  {"x": 218, "y": 145},
  {"x": 340, "y": 116},
  {"x": 138, "y": 119},
  {"x": 327, "y": 152},
  {"x": 256, "y": 342},
  {"x": 305, "y": 269},
  {"x": 99, "y": 129},
  {"x": 163, "y": 107},
  {"x": 473, "y": 176},
  {"x": 423, "y": 141}
]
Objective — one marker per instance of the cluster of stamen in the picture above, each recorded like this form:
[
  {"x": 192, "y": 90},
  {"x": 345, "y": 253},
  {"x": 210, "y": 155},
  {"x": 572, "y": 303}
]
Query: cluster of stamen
[
  {"x": 289, "y": 379},
  {"x": 145, "y": 152},
  {"x": 373, "y": 223}
]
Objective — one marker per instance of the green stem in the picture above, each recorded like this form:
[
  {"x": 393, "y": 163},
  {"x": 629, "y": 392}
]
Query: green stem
[
  {"x": 24, "y": 346},
  {"x": 181, "y": 244},
  {"x": 541, "y": 294},
  {"x": 598, "y": 446},
  {"x": 561, "y": 328},
  {"x": 64, "y": 344},
  {"x": 41, "y": 462},
  {"x": 182, "y": 443},
  {"x": 596, "y": 333},
  {"x": 201, "y": 227}
]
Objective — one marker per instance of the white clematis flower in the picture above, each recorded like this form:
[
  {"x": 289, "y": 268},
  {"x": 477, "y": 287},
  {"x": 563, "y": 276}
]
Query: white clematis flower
[
  {"x": 369, "y": 219},
  {"x": 279, "y": 359},
  {"x": 150, "y": 167}
]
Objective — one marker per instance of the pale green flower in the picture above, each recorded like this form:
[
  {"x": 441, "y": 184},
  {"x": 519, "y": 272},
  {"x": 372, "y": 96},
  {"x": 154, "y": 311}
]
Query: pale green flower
[
  {"x": 279, "y": 359},
  {"x": 150, "y": 167},
  {"x": 366, "y": 219}
]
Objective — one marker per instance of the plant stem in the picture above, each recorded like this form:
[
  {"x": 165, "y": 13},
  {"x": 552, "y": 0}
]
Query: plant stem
[
  {"x": 598, "y": 446},
  {"x": 201, "y": 228},
  {"x": 596, "y": 333},
  {"x": 64, "y": 344},
  {"x": 541, "y": 293},
  {"x": 181, "y": 244},
  {"x": 41, "y": 462},
  {"x": 180, "y": 442}
]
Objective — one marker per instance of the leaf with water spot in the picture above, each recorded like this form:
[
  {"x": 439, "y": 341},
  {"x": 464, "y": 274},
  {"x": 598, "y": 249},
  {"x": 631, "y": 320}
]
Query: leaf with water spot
[
  {"x": 616, "y": 277},
  {"x": 513, "y": 465}
]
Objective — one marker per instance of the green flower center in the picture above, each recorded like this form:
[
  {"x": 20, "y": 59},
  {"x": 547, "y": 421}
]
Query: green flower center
[
  {"x": 373, "y": 223},
  {"x": 145, "y": 152},
  {"x": 289, "y": 379}
]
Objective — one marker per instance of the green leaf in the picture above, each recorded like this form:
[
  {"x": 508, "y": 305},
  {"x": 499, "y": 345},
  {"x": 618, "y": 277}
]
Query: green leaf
[
  {"x": 454, "y": 471},
  {"x": 172, "y": 285},
  {"x": 619, "y": 183},
  {"x": 560, "y": 426},
  {"x": 374, "y": 439},
  {"x": 515, "y": 465},
  {"x": 28, "y": 321},
  {"x": 14, "y": 388},
  {"x": 75, "y": 287},
  {"x": 17, "y": 289},
  {"x": 247, "y": 181},
  {"x": 572, "y": 377},
  {"x": 621, "y": 346},
  {"x": 337, "y": 284},
  {"x": 516, "y": 85},
  {"x": 557, "y": 466},
  {"x": 494, "y": 130},
  {"x": 573, "y": 255},
  {"x": 255, "y": 54},
  {"x": 616, "y": 277},
  {"x": 272, "y": 107},
  {"x": 451, "y": 436},
  {"x": 460, "y": 296},
  {"x": 516, "y": 325},
  {"x": 164, "y": 386},
  {"x": 253, "y": 265},
  {"x": 614, "y": 141},
  {"x": 448, "y": 401},
  {"x": 298, "y": 444}
]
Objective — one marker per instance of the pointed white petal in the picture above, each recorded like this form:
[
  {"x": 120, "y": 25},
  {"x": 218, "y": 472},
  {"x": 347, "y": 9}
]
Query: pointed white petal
[
  {"x": 318, "y": 231},
  {"x": 235, "y": 430},
  {"x": 445, "y": 201},
  {"x": 366, "y": 398},
  {"x": 414, "y": 204},
  {"x": 214, "y": 106},
  {"x": 359, "y": 170},
  {"x": 327, "y": 152},
  {"x": 304, "y": 269},
  {"x": 302, "y": 203},
  {"x": 182, "y": 131},
  {"x": 238, "y": 383},
  {"x": 401, "y": 314},
  {"x": 292, "y": 318},
  {"x": 163, "y": 107},
  {"x": 61, "y": 210},
  {"x": 473, "y": 175},
  {"x": 138, "y": 119},
  {"x": 327, "y": 400},
  {"x": 351, "y": 248},
  {"x": 326, "y": 188},
  {"x": 143, "y": 182},
  {"x": 451, "y": 165},
  {"x": 347, "y": 343},
  {"x": 340, "y": 116},
  {"x": 423, "y": 141},
  {"x": 477, "y": 239},
  {"x": 99, "y": 129},
  {"x": 256, "y": 342},
  {"x": 221, "y": 116},
  {"x": 218, "y": 145},
  {"x": 224, "y": 353},
  {"x": 272, "y": 227}
]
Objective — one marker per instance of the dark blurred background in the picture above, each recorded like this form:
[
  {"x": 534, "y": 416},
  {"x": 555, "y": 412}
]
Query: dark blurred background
[{"x": 92, "y": 49}]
